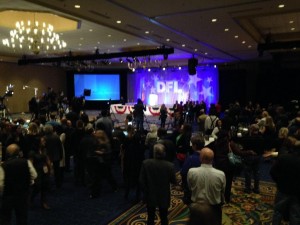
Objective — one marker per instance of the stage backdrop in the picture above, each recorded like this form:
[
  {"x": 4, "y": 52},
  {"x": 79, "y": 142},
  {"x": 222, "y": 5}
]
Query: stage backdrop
[{"x": 159, "y": 86}]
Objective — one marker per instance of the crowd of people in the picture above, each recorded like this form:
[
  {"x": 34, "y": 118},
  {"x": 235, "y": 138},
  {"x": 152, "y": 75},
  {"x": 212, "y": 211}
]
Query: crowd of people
[{"x": 35, "y": 159}]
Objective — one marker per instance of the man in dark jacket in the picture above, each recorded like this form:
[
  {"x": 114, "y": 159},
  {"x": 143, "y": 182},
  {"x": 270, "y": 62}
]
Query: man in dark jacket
[
  {"x": 19, "y": 174},
  {"x": 285, "y": 173},
  {"x": 156, "y": 176},
  {"x": 138, "y": 114},
  {"x": 54, "y": 150}
]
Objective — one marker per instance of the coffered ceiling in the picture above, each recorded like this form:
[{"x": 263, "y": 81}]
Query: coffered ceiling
[{"x": 215, "y": 31}]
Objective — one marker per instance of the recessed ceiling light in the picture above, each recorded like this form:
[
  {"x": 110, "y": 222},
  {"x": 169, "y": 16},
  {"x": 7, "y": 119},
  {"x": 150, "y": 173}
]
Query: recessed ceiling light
[
  {"x": 98, "y": 42},
  {"x": 124, "y": 39},
  {"x": 294, "y": 48},
  {"x": 81, "y": 38},
  {"x": 138, "y": 43},
  {"x": 214, "y": 20},
  {"x": 113, "y": 46},
  {"x": 77, "y": 6},
  {"x": 243, "y": 42},
  {"x": 195, "y": 49},
  {"x": 79, "y": 44},
  {"x": 91, "y": 30},
  {"x": 281, "y": 6},
  {"x": 205, "y": 53},
  {"x": 226, "y": 29},
  {"x": 183, "y": 45},
  {"x": 249, "y": 46},
  {"x": 109, "y": 35},
  {"x": 118, "y": 21},
  {"x": 168, "y": 39},
  {"x": 291, "y": 21},
  {"x": 236, "y": 36},
  {"x": 146, "y": 32},
  {"x": 293, "y": 28}
]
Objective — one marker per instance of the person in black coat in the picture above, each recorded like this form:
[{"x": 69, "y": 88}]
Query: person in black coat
[
  {"x": 138, "y": 114},
  {"x": 156, "y": 177},
  {"x": 132, "y": 156},
  {"x": 19, "y": 176},
  {"x": 285, "y": 173},
  {"x": 54, "y": 151}
]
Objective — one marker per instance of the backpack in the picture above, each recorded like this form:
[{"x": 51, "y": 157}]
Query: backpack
[{"x": 212, "y": 126}]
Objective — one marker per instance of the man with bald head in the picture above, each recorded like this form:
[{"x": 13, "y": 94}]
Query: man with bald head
[
  {"x": 207, "y": 184},
  {"x": 18, "y": 175}
]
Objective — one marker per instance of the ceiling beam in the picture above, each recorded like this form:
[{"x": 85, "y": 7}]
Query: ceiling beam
[{"x": 160, "y": 51}]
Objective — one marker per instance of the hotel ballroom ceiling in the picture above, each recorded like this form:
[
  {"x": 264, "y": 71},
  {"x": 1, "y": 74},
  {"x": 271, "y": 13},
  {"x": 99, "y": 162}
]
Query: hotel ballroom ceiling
[{"x": 215, "y": 31}]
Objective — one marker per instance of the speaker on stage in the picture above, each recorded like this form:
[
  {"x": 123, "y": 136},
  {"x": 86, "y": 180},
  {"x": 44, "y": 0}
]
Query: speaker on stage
[
  {"x": 87, "y": 92},
  {"x": 192, "y": 63}
]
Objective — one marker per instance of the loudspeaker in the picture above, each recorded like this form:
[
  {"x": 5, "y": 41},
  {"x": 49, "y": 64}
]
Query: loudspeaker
[
  {"x": 87, "y": 92},
  {"x": 192, "y": 63}
]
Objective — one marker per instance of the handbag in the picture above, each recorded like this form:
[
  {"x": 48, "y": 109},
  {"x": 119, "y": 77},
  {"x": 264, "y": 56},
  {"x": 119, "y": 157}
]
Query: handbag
[{"x": 234, "y": 160}]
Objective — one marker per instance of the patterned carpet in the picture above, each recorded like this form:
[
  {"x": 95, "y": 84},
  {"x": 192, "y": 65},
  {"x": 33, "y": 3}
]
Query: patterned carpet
[{"x": 244, "y": 209}]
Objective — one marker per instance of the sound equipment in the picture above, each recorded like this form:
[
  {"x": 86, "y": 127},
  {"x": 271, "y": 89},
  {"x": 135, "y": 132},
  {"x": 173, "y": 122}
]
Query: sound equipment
[
  {"x": 192, "y": 63},
  {"x": 87, "y": 92}
]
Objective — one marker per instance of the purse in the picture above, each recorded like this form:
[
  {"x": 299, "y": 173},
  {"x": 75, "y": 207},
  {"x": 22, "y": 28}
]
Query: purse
[{"x": 234, "y": 160}]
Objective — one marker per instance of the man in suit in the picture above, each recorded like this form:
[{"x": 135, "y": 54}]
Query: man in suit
[
  {"x": 155, "y": 177},
  {"x": 17, "y": 176},
  {"x": 207, "y": 185},
  {"x": 54, "y": 150}
]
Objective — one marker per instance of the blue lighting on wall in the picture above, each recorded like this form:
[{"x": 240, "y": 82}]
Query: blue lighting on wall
[{"x": 159, "y": 86}]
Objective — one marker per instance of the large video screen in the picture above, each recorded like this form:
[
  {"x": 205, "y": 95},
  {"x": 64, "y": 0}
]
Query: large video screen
[{"x": 97, "y": 87}]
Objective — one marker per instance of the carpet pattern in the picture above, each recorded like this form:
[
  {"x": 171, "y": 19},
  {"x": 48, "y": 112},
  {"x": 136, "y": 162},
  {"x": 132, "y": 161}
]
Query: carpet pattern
[{"x": 244, "y": 209}]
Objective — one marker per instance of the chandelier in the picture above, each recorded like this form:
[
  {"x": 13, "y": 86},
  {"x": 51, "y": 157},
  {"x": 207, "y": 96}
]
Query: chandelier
[{"x": 34, "y": 36}]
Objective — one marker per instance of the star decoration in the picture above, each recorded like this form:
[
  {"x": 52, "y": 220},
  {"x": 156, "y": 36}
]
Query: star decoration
[
  {"x": 209, "y": 80},
  {"x": 194, "y": 80},
  {"x": 152, "y": 90},
  {"x": 148, "y": 84},
  {"x": 206, "y": 92}
]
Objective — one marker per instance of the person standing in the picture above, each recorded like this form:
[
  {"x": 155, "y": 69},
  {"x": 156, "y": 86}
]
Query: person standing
[
  {"x": 207, "y": 184},
  {"x": 285, "y": 173},
  {"x": 163, "y": 114},
  {"x": 19, "y": 174},
  {"x": 191, "y": 161},
  {"x": 138, "y": 114},
  {"x": 157, "y": 188},
  {"x": 54, "y": 151}
]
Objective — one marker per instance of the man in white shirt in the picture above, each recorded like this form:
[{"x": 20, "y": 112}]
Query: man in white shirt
[{"x": 207, "y": 184}]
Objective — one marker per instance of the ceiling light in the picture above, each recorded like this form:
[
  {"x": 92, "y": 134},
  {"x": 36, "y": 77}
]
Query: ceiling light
[
  {"x": 195, "y": 50},
  {"x": 236, "y": 36},
  {"x": 205, "y": 53},
  {"x": 291, "y": 21},
  {"x": 243, "y": 42},
  {"x": 77, "y": 6},
  {"x": 281, "y": 6},
  {"x": 293, "y": 28},
  {"x": 109, "y": 35},
  {"x": 138, "y": 43},
  {"x": 146, "y": 32},
  {"x": 226, "y": 29},
  {"x": 168, "y": 39},
  {"x": 90, "y": 30},
  {"x": 249, "y": 46},
  {"x": 183, "y": 45},
  {"x": 214, "y": 20},
  {"x": 124, "y": 39},
  {"x": 119, "y": 21},
  {"x": 36, "y": 35}
]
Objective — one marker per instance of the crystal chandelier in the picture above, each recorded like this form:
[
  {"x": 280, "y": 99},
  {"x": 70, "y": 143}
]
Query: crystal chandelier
[{"x": 35, "y": 36}]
